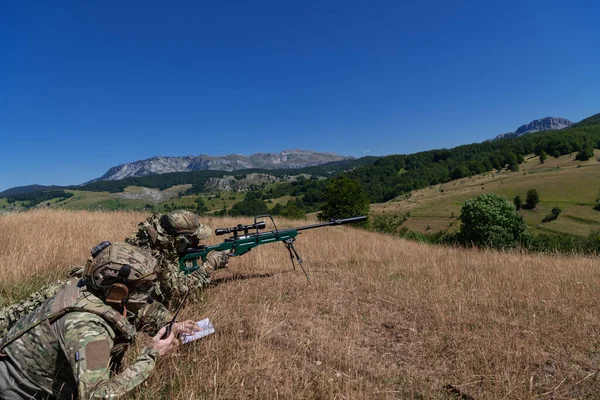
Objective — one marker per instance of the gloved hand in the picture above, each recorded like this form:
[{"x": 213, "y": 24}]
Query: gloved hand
[
  {"x": 217, "y": 259},
  {"x": 186, "y": 327},
  {"x": 163, "y": 346}
]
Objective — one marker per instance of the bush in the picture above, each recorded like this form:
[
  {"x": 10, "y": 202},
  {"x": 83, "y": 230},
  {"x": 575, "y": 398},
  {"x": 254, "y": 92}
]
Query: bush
[
  {"x": 518, "y": 202},
  {"x": 532, "y": 199},
  {"x": 201, "y": 208},
  {"x": 556, "y": 243},
  {"x": 390, "y": 225},
  {"x": 489, "y": 220},
  {"x": 592, "y": 243},
  {"x": 553, "y": 215},
  {"x": 556, "y": 153},
  {"x": 585, "y": 154}
]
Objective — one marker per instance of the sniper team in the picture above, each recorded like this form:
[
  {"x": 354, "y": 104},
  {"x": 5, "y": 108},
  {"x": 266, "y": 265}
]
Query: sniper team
[{"x": 67, "y": 340}]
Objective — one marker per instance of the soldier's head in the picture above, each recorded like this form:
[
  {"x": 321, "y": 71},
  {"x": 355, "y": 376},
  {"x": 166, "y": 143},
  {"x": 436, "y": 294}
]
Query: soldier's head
[
  {"x": 184, "y": 228},
  {"x": 122, "y": 275}
]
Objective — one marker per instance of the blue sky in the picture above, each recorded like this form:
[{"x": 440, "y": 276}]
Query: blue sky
[{"x": 86, "y": 85}]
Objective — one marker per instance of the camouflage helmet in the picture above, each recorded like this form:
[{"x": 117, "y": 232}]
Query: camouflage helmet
[
  {"x": 121, "y": 263},
  {"x": 184, "y": 222},
  {"x": 185, "y": 227}
]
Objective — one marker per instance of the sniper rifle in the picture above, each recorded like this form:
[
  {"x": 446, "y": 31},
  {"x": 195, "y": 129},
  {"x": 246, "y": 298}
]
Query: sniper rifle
[{"x": 246, "y": 237}]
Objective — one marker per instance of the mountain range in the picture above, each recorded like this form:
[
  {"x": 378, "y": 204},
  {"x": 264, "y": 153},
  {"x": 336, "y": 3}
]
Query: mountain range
[
  {"x": 542, "y": 124},
  {"x": 160, "y": 165}
]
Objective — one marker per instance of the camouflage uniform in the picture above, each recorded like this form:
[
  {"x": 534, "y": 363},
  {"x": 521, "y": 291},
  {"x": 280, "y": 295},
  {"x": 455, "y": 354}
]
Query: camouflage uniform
[
  {"x": 11, "y": 314},
  {"x": 67, "y": 347},
  {"x": 158, "y": 234},
  {"x": 162, "y": 234}
]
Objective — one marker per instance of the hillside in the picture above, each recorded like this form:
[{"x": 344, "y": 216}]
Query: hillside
[
  {"x": 561, "y": 182},
  {"x": 394, "y": 175},
  {"x": 382, "y": 317}
]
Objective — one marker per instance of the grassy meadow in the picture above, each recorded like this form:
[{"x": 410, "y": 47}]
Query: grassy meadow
[
  {"x": 561, "y": 182},
  {"x": 382, "y": 318}
]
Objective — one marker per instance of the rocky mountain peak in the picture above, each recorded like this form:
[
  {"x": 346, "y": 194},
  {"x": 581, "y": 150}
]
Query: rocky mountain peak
[
  {"x": 295, "y": 158},
  {"x": 542, "y": 124}
]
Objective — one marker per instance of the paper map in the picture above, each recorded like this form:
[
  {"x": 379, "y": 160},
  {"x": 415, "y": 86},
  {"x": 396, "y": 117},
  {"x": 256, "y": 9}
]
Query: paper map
[{"x": 207, "y": 329}]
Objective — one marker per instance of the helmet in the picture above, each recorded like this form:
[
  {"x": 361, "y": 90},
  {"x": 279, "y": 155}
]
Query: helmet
[
  {"x": 185, "y": 227},
  {"x": 121, "y": 271}
]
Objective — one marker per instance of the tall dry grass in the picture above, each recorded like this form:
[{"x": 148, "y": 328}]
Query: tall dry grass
[
  {"x": 381, "y": 318},
  {"x": 39, "y": 246}
]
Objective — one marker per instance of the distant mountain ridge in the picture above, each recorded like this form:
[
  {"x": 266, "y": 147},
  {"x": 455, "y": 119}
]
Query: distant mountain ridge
[
  {"x": 160, "y": 165},
  {"x": 542, "y": 124},
  {"x": 26, "y": 189}
]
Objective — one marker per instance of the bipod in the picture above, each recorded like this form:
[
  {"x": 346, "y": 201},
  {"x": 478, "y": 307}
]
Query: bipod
[{"x": 289, "y": 244}]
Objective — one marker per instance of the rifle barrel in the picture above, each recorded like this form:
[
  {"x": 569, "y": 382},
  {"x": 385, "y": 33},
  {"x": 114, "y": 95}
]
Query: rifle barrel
[{"x": 333, "y": 222}]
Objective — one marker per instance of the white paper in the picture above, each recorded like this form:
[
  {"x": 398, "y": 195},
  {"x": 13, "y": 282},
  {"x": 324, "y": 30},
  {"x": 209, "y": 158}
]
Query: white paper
[{"x": 207, "y": 329}]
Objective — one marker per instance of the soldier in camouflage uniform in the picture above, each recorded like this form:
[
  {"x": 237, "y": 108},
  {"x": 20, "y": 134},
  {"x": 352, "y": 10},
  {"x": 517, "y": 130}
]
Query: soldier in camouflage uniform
[
  {"x": 160, "y": 234},
  {"x": 65, "y": 348},
  {"x": 169, "y": 235}
]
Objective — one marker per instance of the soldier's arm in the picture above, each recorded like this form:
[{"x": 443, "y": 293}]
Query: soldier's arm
[
  {"x": 87, "y": 341},
  {"x": 152, "y": 317}
]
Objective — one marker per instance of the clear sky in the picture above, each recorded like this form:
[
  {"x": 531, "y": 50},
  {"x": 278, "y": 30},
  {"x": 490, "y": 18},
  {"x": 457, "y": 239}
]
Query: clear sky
[{"x": 86, "y": 85}]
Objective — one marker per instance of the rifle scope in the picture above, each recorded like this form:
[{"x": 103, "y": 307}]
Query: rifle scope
[{"x": 240, "y": 228}]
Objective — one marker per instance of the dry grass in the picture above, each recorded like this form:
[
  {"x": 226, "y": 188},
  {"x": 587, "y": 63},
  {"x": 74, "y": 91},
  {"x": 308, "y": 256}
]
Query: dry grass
[{"x": 382, "y": 318}]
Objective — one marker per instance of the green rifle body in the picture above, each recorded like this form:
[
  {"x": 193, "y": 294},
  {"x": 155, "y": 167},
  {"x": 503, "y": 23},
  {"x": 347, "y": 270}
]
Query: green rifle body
[{"x": 238, "y": 245}]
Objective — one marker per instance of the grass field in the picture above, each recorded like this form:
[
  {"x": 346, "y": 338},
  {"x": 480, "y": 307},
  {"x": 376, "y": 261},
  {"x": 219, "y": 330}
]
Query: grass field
[
  {"x": 382, "y": 318},
  {"x": 561, "y": 182}
]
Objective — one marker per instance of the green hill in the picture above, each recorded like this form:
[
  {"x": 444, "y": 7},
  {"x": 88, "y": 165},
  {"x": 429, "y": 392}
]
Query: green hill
[{"x": 563, "y": 182}]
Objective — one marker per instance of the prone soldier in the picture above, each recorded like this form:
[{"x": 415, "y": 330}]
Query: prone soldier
[
  {"x": 161, "y": 235},
  {"x": 69, "y": 346}
]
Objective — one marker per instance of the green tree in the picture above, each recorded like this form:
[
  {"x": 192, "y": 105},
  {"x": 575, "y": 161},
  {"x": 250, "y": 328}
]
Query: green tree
[
  {"x": 518, "y": 202},
  {"x": 532, "y": 199},
  {"x": 586, "y": 153},
  {"x": 249, "y": 208},
  {"x": 489, "y": 220},
  {"x": 292, "y": 211},
  {"x": 201, "y": 208},
  {"x": 543, "y": 156},
  {"x": 345, "y": 198},
  {"x": 556, "y": 153}
]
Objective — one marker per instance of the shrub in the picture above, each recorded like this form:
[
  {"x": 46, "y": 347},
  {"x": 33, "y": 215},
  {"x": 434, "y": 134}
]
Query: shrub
[
  {"x": 585, "y": 154},
  {"x": 518, "y": 202},
  {"x": 384, "y": 224},
  {"x": 556, "y": 243},
  {"x": 592, "y": 243},
  {"x": 489, "y": 220},
  {"x": 553, "y": 215},
  {"x": 532, "y": 199}
]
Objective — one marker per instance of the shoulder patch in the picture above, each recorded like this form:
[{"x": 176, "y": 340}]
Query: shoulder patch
[{"x": 97, "y": 354}]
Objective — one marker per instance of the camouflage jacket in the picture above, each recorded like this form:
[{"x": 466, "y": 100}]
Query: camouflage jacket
[
  {"x": 173, "y": 284},
  {"x": 64, "y": 348}
]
